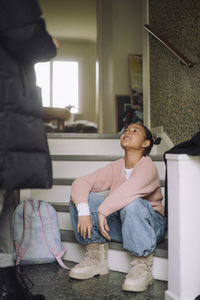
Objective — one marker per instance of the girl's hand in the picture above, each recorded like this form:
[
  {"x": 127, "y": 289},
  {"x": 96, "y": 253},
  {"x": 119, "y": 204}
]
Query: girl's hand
[
  {"x": 84, "y": 226},
  {"x": 103, "y": 226}
]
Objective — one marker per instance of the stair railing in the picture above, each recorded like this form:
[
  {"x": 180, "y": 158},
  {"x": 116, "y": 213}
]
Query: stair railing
[{"x": 177, "y": 53}]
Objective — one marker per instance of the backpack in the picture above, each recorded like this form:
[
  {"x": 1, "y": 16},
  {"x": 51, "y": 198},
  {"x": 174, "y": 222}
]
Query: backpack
[{"x": 36, "y": 233}]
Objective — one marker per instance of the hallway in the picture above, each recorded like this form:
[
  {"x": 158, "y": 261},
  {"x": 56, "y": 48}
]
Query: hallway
[{"x": 53, "y": 282}]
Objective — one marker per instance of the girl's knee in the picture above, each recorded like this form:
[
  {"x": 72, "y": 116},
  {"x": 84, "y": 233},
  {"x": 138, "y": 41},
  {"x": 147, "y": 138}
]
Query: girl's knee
[{"x": 133, "y": 207}]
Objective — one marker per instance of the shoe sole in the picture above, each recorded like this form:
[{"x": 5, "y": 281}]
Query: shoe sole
[
  {"x": 137, "y": 288},
  {"x": 100, "y": 271}
]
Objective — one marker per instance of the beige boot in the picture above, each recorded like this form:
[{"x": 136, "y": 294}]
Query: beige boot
[
  {"x": 139, "y": 278},
  {"x": 94, "y": 263}
]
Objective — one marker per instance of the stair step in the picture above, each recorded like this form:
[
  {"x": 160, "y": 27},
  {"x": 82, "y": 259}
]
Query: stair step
[
  {"x": 91, "y": 136},
  {"x": 117, "y": 260},
  {"x": 63, "y": 181},
  {"x": 64, "y": 221},
  {"x": 96, "y": 157},
  {"x": 160, "y": 251},
  {"x": 60, "y": 192},
  {"x": 85, "y": 157},
  {"x": 74, "y": 169},
  {"x": 60, "y": 206},
  {"x": 84, "y": 144},
  {"x": 69, "y": 181},
  {"x": 88, "y": 144}
]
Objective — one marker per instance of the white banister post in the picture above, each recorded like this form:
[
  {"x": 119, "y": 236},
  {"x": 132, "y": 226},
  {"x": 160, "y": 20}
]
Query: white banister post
[{"x": 183, "y": 173}]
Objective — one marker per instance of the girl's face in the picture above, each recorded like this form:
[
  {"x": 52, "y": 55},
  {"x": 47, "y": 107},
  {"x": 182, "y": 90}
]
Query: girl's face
[{"x": 134, "y": 137}]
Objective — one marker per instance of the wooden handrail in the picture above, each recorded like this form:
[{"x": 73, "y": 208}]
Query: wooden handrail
[{"x": 167, "y": 44}]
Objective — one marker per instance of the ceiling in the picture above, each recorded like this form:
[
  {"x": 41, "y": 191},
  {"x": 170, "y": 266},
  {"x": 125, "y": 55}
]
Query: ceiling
[{"x": 70, "y": 19}]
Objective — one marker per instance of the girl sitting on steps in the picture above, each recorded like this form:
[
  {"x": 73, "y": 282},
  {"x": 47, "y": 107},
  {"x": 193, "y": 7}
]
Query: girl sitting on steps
[{"x": 132, "y": 214}]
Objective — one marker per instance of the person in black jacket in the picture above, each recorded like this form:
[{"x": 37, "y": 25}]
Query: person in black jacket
[{"x": 24, "y": 155}]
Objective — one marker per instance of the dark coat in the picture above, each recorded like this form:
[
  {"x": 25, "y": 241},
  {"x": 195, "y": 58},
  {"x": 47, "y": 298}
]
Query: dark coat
[{"x": 24, "y": 154}]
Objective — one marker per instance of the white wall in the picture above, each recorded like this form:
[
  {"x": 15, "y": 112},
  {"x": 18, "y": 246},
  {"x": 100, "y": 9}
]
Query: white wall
[
  {"x": 127, "y": 40},
  {"x": 105, "y": 109},
  {"x": 119, "y": 33},
  {"x": 85, "y": 53}
]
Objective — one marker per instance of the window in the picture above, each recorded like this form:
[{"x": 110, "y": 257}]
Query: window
[
  {"x": 43, "y": 80},
  {"x": 59, "y": 83}
]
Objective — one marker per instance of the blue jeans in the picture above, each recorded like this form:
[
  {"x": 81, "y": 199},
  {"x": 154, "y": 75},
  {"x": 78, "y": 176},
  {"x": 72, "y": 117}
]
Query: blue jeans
[{"x": 138, "y": 226}]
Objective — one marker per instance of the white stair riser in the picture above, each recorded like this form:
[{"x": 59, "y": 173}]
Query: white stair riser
[
  {"x": 25, "y": 194},
  {"x": 74, "y": 251},
  {"x": 160, "y": 268},
  {"x": 118, "y": 260},
  {"x": 85, "y": 147},
  {"x": 58, "y": 193},
  {"x": 64, "y": 221},
  {"x": 91, "y": 147},
  {"x": 73, "y": 169}
]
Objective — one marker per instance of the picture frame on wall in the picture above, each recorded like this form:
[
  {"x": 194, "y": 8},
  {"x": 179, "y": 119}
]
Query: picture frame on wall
[{"x": 125, "y": 112}]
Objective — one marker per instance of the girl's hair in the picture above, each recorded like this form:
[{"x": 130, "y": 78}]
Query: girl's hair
[{"x": 149, "y": 137}]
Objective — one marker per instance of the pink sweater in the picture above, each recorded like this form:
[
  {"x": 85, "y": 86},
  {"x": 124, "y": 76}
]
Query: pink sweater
[{"x": 143, "y": 182}]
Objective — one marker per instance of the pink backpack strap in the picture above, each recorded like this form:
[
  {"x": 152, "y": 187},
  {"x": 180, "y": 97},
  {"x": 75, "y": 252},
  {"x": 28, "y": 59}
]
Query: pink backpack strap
[
  {"x": 60, "y": 261},
  {"x": 54, "y": 250},
  {"x": 26, "y": 239}
]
